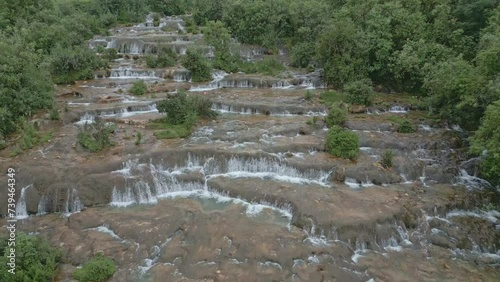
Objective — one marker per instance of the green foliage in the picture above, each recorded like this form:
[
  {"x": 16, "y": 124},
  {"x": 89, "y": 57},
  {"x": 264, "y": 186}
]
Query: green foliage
[
  {"x": 36, "y": 260},
  {"x": 29, "y": 137},
  {"x": 98, "y": 269},
  {"x": 359, "y": 92},
  {"x": 166, "y": 57},
  {"x": 458, "y": 92},
  {"x": 337, "y": 116},
  {"x": 330, "y": 97},
  {"x": 487, "y": 137},
  {"x": 268, "y": 66},
  {"x": 109, "y": 54},
  {"x": 173, "y": 132},
  {"x": 181, "y": 108},
  {"x": 95, "y": 136},
  {"x": 302, "y": 54},
  {"x": 387, "y": 159},
  {"x": 138, "y": 88},
  {"x": 54, "y": 113},
  {"x": 406, "y": 127},
  {"x": 138, "y": 139},
  {"x": 308, "y": 95},
  {"x": 217, "y": 35},
  {"x": 195, "y": 62},
  {"x": 70, "y": 64},
  {"x": 341, "y": 143}
]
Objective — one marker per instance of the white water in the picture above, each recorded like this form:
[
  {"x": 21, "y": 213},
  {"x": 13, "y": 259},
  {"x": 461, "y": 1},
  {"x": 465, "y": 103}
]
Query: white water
[
  {"x": 398, "y": 109},
  {"x": 128, "y": 73},
  {"x": 354, "y": 184},
  {"x": 217, "y": 76},
  {"x": 359, "y": 252},
  {"x": 21, "y": 210},
  {"x": 42, "y": 206},
  {"x": 73, "y": 203},
  {"x": 472, "y": 182},
  {"x": 105, "y": 229}
]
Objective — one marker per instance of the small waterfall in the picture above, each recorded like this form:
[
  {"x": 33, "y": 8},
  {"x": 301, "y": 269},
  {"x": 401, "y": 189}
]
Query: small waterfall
[
  {"x": 73, "y": 203},
  {"x": 86, "y": 118},
  {"x": 282, "y": 85},
  {"x": 398, "y": 109},
  {"x": 129, "y": 72},
  {"x": 472, "y": 182},
  {"x": 42, "y": 206},
  {"x": 217, "y": 76},
  {"x": 21, "y": 210},
  {"x": 181, "y": 28},
  {"x": 359, "y": 251}
]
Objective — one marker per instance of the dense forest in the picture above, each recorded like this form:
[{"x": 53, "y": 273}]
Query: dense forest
[{"x": 447, "y": 52}]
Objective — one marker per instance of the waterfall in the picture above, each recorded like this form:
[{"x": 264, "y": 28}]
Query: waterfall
[
  {"x": 42, "y": 206},
  {"x": 21, "y": 210},
  {"x": 129, "y": 72},
  {"x": 73, "y": 203},
  {"x": 398, "y": 109}
]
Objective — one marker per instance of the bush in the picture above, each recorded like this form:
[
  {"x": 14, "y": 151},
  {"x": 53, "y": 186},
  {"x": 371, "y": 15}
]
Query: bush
[
  {"x": 54, "y": 113},
  {"x": 110, "y": 54},
  {"x": 36, "y": 260},
  {"x": 406, "y": 127},
  {"x": 95, "y": 137},
  {"x": 29, "y": 138},
  {"x": 337, "y": 116},
  {"x": 180, "y": 107},
  {"x": 138, "y": 88},
  {"x": 195, "y": 62},
  {"x": 268, "y": 66},
  {"x": 486, "y": 142},
  {"x": 308, "y": 95},
  {"x": 302, "y": 54},
  {"x": 99, "y": 268},
  {"x": 341, "y": 143},
  {"x": 359, "y": 92},
  {"x": 166, "y": 57},
  {"x": 138, "y": 139},
  {"x": 387, "y": 159}
]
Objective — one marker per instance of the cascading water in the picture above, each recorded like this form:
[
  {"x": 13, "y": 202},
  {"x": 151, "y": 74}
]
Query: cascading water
[
  {"x": 73, "y": 203},
  {"x": 21, "y": 209},
  {"x": 129, "y": 72}
]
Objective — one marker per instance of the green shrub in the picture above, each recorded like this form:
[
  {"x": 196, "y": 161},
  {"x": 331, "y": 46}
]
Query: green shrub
[
  {"x": 95, "y": 136},
  {"x": 54, "y": 114},
  {"x": 359, "y": 92},
  {"x": 98, "y": 269},
  {"x": 166, "y": 57},
  {"x": 341, "y": 143},
  {"x": 486, "y": 142},
  {"x": 330, "y": 97},
  {"x": 406, "y": 127},
  {"x": 308, "y": 95},
  {"x": 302, "y": 54},
  {"x": 337, "y": 116},
  {"x": 176, "y": 131},
  {"x": 36, "y": 260},
  {"x": 29, "y": 138},
  {"x": 138, "y": 138},
  {"x": 268, "y": 66},
  {"x": 195, "y": 62},
  {"x": 387, "y": 159},
  {"x": 138, "y": 88},
  {"x": 110, "y": 54},
  {"x": 179, "y": 108}
]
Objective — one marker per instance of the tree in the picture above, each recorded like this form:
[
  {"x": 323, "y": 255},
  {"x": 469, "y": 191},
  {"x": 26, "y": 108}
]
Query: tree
[
  {"x": 359, "y": 92},
  {"x": 342, "y": 51},
  {"x": 458, "y": 92},
  {"x": 217, "y": 35},
  {"x": 36, "y": 260},
  {"x": 195, "y": 62},
  {"x": 487, "y": 139}
]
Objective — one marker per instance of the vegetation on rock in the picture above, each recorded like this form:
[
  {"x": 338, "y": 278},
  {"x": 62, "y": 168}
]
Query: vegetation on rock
[
  {"x": 342, "y": 143},
  {"x": 138, "y": 88},
  {"x": 36, "y": 259},
  {"x": 95, "y": 136},
  {"x": 100, "y": 268}
]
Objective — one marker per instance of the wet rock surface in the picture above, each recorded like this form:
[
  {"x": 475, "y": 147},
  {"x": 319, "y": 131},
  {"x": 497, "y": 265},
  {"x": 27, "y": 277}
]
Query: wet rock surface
[{"x": 250, "y": 195}]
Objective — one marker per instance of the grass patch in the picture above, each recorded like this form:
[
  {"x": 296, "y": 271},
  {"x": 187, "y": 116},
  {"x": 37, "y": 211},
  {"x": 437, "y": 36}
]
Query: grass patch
[
  {"x": 332, "y": 96},
  {"x": 268, "y": 66},
  {"x": 174, "y": 132}
]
